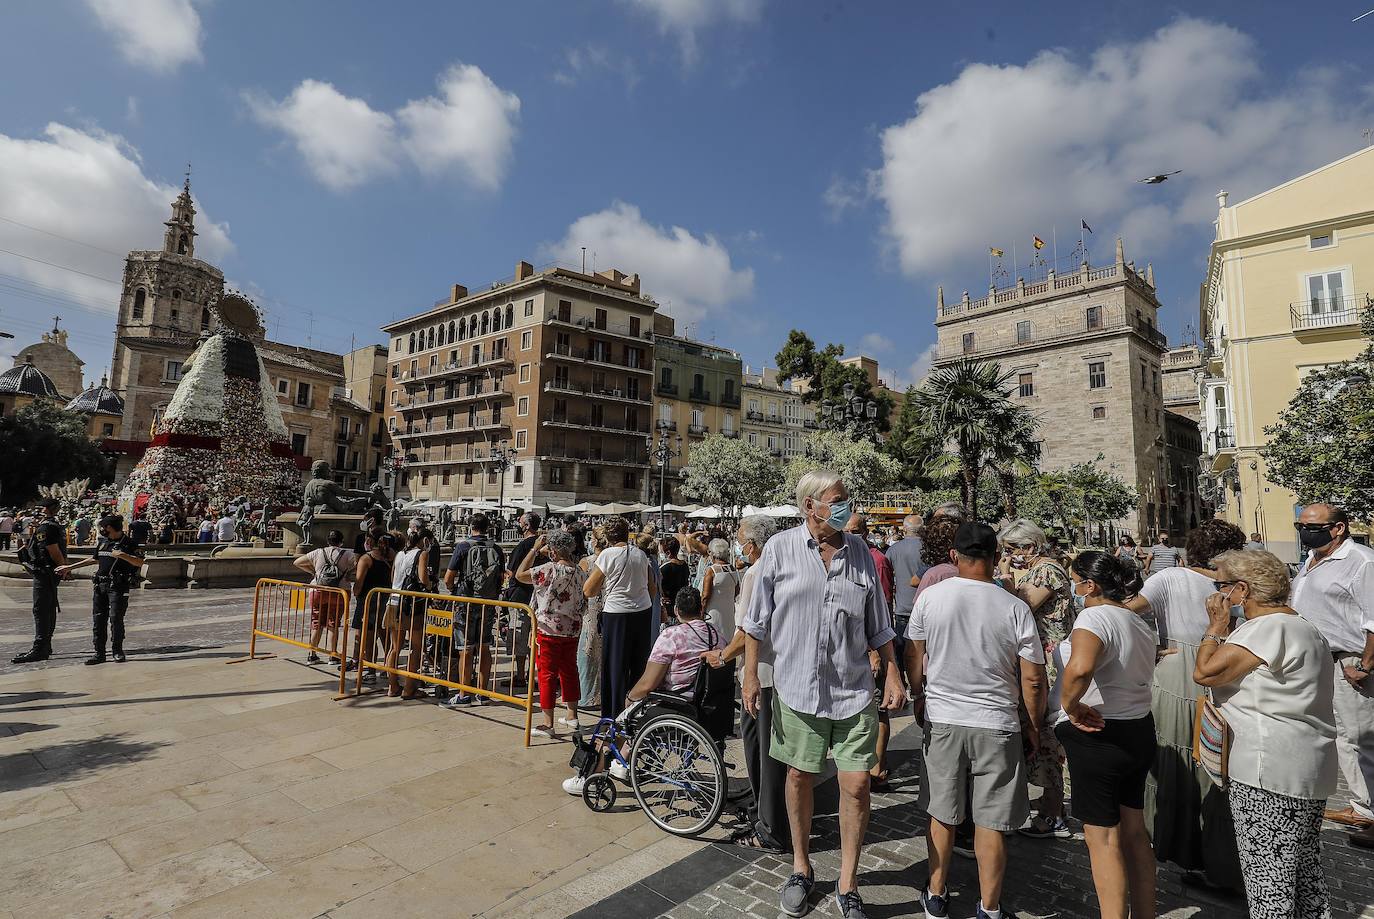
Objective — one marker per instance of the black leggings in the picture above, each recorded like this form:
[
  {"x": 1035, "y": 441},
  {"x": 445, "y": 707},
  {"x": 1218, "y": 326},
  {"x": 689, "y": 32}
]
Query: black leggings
[
  {"x": 1108, "y": 768},
  {"x": 624, "y": 652}
]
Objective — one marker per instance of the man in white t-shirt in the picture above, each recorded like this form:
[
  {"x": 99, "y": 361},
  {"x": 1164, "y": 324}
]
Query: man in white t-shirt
[
  {"x": 225, "y": 528},
  {"x": 976, "y": 646},
  {"x": 328, "y": 566}
]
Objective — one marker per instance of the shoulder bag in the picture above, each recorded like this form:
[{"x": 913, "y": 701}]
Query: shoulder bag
[{"x": 1211, "y": 739}]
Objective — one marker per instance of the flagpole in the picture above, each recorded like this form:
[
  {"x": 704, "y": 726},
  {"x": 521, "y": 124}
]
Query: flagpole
[
  {"x": 989, "y": 266},
  {"x": 1054, "y": 242},
  {"x": 1016, "y": 266}
]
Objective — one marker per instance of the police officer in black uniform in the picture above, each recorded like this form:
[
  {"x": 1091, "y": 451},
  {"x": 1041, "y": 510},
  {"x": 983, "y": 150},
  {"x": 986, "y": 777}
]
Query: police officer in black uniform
[
  {"x": 120, "y": 559},
  {"x": 42, "y": 555}
]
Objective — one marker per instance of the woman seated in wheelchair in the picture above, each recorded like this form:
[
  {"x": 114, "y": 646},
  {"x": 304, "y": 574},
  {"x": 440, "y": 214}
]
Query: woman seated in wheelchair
[{"x": 672, "y": 668}]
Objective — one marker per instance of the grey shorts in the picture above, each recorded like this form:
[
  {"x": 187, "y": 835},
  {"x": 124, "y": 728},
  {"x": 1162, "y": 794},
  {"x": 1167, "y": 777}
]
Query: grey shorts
[{"x": 954, "y": 755}]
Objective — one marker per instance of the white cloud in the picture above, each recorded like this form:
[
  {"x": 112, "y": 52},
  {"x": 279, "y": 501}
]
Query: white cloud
[
  {"x": 683, "y": 19},
  {"x": 873, "y": 342},
  {"x": 688, "y": 274},
  {"x": 87, "y": 186},
  {"x": 131, "y": 110},
  {"x": 469, "y": 129},
  {"x": 586, "y": 60},
  {"x": 1003, "y": 152},
  {"x": 158, "y": 35},
  {"x": 343, "y": 140},
  {"x": 843, "y": 195}
]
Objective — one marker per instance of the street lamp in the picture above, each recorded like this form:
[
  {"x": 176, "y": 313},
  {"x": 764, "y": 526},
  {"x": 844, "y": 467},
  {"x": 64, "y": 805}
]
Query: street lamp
[
  {"x": 502, "y": 458},
  {"x": 665, "y": 451},
  {"x": 394, "y": 464},
  {"x": 851, "y": 410}
]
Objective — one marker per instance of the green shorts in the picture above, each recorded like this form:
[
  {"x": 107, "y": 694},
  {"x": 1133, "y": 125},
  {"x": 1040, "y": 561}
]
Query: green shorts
[{"x": 802, "y": 741}]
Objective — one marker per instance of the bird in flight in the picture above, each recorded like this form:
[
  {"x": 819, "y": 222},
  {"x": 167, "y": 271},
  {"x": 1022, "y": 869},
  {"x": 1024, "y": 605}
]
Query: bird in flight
[{"x": 1155, "y": 180}]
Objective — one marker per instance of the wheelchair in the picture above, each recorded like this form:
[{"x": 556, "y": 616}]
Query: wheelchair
[{"x": 676, "y": 762}]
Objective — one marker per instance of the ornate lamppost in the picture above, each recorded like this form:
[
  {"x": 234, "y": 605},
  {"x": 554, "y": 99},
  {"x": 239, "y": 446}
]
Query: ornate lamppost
[
  {"x": 393, "y": 464},
  {"x": 502, "y": 458},
  {"x": 664, "y": 452},
  {"x": 852, "y": 410}
]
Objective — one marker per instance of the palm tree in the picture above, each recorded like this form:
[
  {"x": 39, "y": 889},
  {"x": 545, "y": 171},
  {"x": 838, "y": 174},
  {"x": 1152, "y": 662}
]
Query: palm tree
[
  {"x": 1014, "y": 453},
  {"x": 965, "y": 407}
]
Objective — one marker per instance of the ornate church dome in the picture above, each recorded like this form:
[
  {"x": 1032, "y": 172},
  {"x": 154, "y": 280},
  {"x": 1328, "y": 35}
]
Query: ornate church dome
[
  {"x": 28, "y": 380},
  {"x": 98, "y": 400}
]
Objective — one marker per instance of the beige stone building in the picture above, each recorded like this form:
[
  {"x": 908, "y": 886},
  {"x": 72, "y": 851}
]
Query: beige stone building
[
  {"x": 52, "y": 356},
  {"x": 1289, "y": 272},
  {"x": 1085, "y": 353},
  {"x": 165, "y": 307},
  {"x": 697, "y": 393},
  {"x": 551, "y": 369},
  {"x": 1182, "y": 369},
  {"x": 775, "y": 417}
]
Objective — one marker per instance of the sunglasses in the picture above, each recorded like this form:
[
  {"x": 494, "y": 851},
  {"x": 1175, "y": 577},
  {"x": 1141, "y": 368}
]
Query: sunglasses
[
  {"x": 1314, "y": 527},
  {"x": 1222, "y": 585}
]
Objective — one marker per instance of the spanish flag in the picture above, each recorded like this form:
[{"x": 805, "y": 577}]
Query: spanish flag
[
  {"x": 1038, "y": 242},
  {"x": 993, "y": 250}
]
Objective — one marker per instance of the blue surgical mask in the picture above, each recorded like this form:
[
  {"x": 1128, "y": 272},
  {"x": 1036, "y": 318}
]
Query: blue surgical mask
[
  {"x": 738, "y": 550},
  {"x": 1080, "y": 602},
  {"x": 840, "y": 512}
]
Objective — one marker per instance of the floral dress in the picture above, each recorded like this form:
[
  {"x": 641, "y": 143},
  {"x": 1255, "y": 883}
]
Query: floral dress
[
  {"x": 1054, "y": 622},
  {"x": 558, "y": 600}
]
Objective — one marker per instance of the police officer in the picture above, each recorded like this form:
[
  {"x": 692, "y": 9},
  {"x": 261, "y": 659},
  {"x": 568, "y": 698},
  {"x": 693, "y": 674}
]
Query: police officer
[
  {"x": 44, "y": 552},
  {"x": 119, "y": 557}
]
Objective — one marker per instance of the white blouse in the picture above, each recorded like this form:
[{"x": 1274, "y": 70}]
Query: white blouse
[{"x": 1283, "y": 730}]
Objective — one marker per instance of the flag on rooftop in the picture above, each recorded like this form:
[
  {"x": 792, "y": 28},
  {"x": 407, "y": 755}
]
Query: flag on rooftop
[
  {"x": 1038, "y": 242},
  {"x": 1085, "y": 224},
  {"x": 993, "y": 250}
]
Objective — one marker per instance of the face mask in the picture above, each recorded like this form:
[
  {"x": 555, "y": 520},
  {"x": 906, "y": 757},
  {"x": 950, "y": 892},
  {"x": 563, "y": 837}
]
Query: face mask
[
  {"x": 738, "y": 551},
  {"x": 1080, "y": 602},
  {"x": 840, "y": 513},
  {"x": 1237, "y": 609},
  {"x": 1018, "y": 560},
  {"x": 1315, "y": 539}
]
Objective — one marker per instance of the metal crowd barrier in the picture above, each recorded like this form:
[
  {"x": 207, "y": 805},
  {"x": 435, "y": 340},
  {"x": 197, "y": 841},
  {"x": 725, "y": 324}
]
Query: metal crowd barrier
[
  {"x": 286, "y": 611},
  {"x": 449, "y": 641}
]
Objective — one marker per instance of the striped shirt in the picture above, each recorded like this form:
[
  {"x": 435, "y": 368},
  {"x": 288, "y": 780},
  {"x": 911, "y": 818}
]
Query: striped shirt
[{"x": 819, "y": 624}]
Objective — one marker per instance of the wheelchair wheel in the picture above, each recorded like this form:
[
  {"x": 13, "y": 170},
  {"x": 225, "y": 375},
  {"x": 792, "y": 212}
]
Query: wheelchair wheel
[
  {"x": 678, "y": 775},
  {"x": 599, "y": 792}
]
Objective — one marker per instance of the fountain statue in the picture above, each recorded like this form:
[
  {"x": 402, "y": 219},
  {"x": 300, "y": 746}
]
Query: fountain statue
[{"x": 323, "y": 503}]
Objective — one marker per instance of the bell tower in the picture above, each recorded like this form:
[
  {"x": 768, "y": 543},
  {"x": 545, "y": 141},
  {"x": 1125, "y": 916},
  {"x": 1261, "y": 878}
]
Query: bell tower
[{"x": 180, "y": 238}]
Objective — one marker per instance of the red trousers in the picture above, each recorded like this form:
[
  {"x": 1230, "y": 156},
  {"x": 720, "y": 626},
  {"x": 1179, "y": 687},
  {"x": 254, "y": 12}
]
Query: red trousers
[{"x": 556, "y": 661}]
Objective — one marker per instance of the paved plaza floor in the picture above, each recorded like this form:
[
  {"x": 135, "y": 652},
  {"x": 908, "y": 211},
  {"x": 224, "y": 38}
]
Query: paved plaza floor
[{"x": 177, "y": 785}]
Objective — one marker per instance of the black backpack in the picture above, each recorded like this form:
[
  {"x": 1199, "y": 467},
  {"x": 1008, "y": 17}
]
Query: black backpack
[
  {"x": 483, "y": 570},
  {"x": 330, "y": 575}
]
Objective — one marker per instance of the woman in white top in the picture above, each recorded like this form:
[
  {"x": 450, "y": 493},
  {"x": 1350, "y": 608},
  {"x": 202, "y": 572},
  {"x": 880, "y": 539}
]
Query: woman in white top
[
  {"x": 621, "y": 577},
  {"x": 1273, "y": 679},
  {"x": 406, "y": 615},
  {"x": 1108, "y": 734},
  {"x": 1188, "y": 829},
  {"x": 720, "y": 587}
]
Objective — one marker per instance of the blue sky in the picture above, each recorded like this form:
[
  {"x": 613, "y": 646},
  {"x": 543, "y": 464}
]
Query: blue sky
[{"x": 763, "y": 164}]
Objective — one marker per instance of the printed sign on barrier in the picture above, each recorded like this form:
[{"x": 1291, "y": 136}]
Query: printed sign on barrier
[{"x": 438, "y": 622}]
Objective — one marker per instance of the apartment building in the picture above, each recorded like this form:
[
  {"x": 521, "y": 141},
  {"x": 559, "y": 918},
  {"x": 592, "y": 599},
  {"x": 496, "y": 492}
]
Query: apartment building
[
  {"x": 536, "y": 389},
  {"x": 697, "y": 392},
  {"x": 775, "y": 417},
  {"x": 1288, "y": 275},
  {"x": 1085, "y": 352}
]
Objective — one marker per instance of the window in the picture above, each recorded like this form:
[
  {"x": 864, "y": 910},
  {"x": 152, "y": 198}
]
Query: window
[
  {"x": 1094, "y": 317},
  {"x": 593, "y": 478},
  {"x": 1156, "y": 382},
  {"x": 968, "y": 342},
  {"x": 176, "y": 293},
  {"x": 555, "y": 475},
  {"x": 1144, "y": 377},
  {"x": 1023, "y": 331},
  {"x": 303, "y": 394},
  {"x": 754, "y": 406},
  {"x": 1099, "y": 412},
  {"x": 395, "y": 396},
  {"x": 526, "y": 340},
  {"x": 1326, "y": 292},
  {"x": 520, "y": 439},
  {"x": 634, "y": 326},
  {"x": 665, "y": 412},
  {"x": 424, "y": 476},
  {"x": 107, "y": 430},
  {"x": 631, "y": 480},
  {"x": 396, "y": 346},
  {"x": 412, "y": 343},
  {"x": 727, "y": 424},
  {"x": 698, "y": 383},
  {"x": 730, "y": 390},
  {"x": 462, "y": 328},
  {"x": 445, "y": 477},
  {"x": 491, "y": 476},
  {"x": 565, "y": 311},
  {"x": 1097, "y": 375},
  {"x": 529, "y": 308},
  {"x": 518, "y": 475},
  {"x": 298, "y": 444},
  {"x": 395, "y": 371},
  {"x": 697, "y": 418},
  {"x": 173, "y": 372},
  {"x": 772, "y": 441},
  {"x": 753, "y": 439},
  {"x": 140, "y": 298},
  {"x": 510, "y": 315},
  {"x": 601, "y": 351},
  {"x": 524, "y": 373},
  {"x": 522, "y": 407},
  {"x": 439, "y": 339},
  {"x": 600, "y": 318},
  {"x": 1320, "y": 241},
  {"x": 205, "y": 320},
  {"x": 1026, "y": 383},
  {"x": 665, "y": 377},
  {"x": 452, "y": 330},
  {"x": 467, "y": 476},
  {"x": 176, "y": 316},
  {"x": 486, "y": 323},
  {"x": 283, "y": 387}
]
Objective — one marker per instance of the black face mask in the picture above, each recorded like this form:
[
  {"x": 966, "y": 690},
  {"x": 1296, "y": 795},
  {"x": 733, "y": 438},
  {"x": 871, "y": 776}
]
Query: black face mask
[{"x": 1315, "y": 539}]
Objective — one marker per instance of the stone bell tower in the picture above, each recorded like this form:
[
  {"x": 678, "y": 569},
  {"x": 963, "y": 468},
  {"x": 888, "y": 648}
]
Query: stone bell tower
[{"x": 180, "y": 238}]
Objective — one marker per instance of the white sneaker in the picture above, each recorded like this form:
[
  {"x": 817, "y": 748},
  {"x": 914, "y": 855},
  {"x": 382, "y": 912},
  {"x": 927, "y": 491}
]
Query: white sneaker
[
  {"x": 619, "y": 771},
  {"x": 540, "y": 731},
  {"x": 569, "y": 723},
  {"x": 573, "y": 786}
]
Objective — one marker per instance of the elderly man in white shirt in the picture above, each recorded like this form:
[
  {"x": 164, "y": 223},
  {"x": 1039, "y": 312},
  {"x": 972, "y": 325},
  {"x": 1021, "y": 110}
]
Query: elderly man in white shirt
[
  {"x": 819, "y": 606},
  {"x": 1334, "y": 590}
]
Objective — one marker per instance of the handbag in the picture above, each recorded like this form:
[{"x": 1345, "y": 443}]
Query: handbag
[{"x": 1211, "y": 739}]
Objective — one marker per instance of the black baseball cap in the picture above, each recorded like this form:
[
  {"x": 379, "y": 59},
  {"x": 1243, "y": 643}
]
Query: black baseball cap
[{"x": 976, "y": 540}]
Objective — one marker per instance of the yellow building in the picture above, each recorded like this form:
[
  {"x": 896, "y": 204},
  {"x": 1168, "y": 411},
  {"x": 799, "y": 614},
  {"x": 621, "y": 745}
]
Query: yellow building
[{"x": 1289, "y": 273}]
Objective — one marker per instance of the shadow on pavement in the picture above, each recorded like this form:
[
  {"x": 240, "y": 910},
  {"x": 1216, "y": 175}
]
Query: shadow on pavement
[
  {"x": 69, "y": 760},
  {"x": 177, "y": 698},
  {"x": 20, "y": 698}
]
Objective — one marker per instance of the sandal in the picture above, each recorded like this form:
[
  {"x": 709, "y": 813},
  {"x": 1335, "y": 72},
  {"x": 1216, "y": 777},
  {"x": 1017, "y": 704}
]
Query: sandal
[{"x": 752, "y": 840}]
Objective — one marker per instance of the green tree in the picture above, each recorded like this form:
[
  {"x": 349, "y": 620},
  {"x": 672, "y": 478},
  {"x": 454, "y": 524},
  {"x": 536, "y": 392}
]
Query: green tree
[
  {"x": 867, "y": 471},
  {"x": 965, "y": 409},
  {"x": 43, "y": 444},
  {"x": 1081, "y": 496},
  {"x": 730, "y": 472},
  {"x": 915, "y": 452},
  {"x": 825, "y": 377},
  {"x": 1322, "y": 448}
]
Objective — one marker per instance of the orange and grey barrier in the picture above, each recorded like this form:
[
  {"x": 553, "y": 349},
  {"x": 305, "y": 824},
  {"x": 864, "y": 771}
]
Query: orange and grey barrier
[
  {"x": 463, "y": 643},
  {"x": 286, "y": 611}
]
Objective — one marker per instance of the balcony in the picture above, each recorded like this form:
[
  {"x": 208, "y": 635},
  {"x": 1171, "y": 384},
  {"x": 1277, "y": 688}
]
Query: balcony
[
  {"x": 604, "y": 457},
  {"x": 753, "y": 416},
  {"x": 479, "y": 423},
  {"x": 439, "y": 398},
  {"x": 698, "y": 430},
  {"x": 467, "y": 365},
  {"x": 583, "y": 389},
  {"x": 665, "y": 425},
  {"x": 775, "y": 451},
  {"x": 582, "y": 422},
  {"x": 589, "y": 325},
  {"x": 730, "y": 435},
  {"x": 810, "y": 424},
  {"x": 590, "y": 356},
  {"x": 1110, "y": 321},
  {"x": 1221, "y": 439},
  {"x": 1329, "y": 314},
  {"x": 343, "y": 437},
  {"x": 666, "y": 389},
  {"x": 699, "y": 395},
  {"x": 729, "y": 400}
]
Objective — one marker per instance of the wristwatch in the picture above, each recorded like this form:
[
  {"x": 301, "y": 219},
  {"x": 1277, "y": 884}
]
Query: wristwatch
[
  {"x": 1220, "y": 640},
  {"x": 1359, "y": 665}
]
